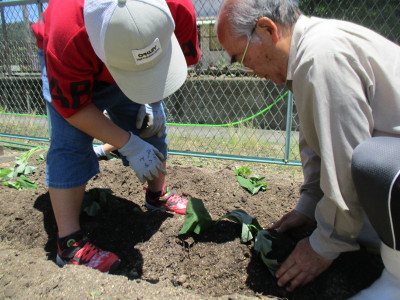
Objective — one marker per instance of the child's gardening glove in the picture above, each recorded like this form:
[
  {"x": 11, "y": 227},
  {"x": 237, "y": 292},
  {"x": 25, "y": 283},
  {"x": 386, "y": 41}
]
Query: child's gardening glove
[
  {"x": 143, "y": 158},
  {"x": 99, "y": 151},
  {"x": 156, "y": 120}
]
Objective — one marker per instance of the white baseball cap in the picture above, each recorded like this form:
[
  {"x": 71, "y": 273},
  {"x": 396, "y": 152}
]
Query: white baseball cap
[{"x": 135, "y": 39}]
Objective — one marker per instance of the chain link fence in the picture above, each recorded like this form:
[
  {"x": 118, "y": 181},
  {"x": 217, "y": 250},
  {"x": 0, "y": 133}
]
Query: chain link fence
[{"x": 219, "y": 112}]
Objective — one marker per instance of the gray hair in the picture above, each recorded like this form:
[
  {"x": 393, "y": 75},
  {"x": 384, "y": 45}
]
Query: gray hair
[{"x": 244, "y": 14}]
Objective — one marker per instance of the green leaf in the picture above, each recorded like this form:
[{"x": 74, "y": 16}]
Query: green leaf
[
  {"x": 24, "y": 157},
  {"x": 101, "y": 195},
  {"x": 11, "y": 175},
  {"x": 20, "y": 168},
  {"x": 245, "y": 183},
  {"x": 93, "y": 209},
  {"x": 40, "y": 158},
  {"x": 263, "y": 245},
  {"x": 252, "y": 184},
  {"x": 256, "y": 178},
  {"x": 94, "y": 200},
  {"x": 29, "y": 170},
  {"x": 22, "y": 182},
  {"x": 243, "y": 171},
  {"x": 250, "y": 225},
  {"x": 5, "y": 172},
  {"x": 259, "y": 186},
  {"x": 26, "y": 183},
  {"x": 12, "y": 184},
  {"x": 197, "y": 218},
  {"x": 274, "y": 247}
]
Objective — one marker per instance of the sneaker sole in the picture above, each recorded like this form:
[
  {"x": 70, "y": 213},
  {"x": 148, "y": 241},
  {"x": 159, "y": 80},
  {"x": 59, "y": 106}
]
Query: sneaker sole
[
  {"x": 153, "y": 207},
  {"x": 61, "y": 263}
]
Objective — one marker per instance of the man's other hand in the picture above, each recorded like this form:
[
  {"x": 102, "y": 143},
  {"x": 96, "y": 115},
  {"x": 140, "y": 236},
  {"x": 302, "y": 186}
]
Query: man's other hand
[{"x": 301, "y": 267}]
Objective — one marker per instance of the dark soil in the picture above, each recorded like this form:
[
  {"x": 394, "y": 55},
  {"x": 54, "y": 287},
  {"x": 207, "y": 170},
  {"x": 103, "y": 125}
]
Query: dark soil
[{"x": 156, "y": 261}]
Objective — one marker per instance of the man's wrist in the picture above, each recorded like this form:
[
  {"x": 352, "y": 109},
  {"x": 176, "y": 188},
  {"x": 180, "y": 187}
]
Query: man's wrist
[{"x": 324, "y": 247}]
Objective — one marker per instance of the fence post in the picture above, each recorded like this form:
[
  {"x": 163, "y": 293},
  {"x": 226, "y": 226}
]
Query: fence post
[
  {"x": 39, "y": 7},
  {"x": 4, "y": 28},
  {"x": 289, "y": 121}
]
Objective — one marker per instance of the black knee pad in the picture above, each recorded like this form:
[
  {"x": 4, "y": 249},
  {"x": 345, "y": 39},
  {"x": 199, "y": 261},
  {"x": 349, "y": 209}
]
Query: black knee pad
[{"x": 375, "y": 171}]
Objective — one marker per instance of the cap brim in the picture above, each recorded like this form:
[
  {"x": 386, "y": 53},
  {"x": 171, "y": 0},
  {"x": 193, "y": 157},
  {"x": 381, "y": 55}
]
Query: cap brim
[{"x": 156, "y": 83}]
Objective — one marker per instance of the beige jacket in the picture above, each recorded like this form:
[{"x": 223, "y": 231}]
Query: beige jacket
[{"x": 346, "y": 84}]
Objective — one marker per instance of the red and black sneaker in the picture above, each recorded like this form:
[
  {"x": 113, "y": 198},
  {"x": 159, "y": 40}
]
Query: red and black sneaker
[
  {"x": 168, "y": 201},
  {"x": 85, "y": 253}
]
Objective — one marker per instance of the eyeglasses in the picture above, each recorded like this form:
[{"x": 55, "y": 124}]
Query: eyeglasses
[{"x": 242, "y": 67}]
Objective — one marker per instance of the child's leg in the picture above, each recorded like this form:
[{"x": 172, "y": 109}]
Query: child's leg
[
  {"x": 71, "y": 162},
  {"x": 66, "y": 205}
]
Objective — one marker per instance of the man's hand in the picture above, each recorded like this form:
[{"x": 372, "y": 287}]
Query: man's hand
[
  {"x": 291, "y": 220},
  {"x": 143, "y": 158},
  {"x": 156, "y": 120},
  {"x": 301, "y": 267}
]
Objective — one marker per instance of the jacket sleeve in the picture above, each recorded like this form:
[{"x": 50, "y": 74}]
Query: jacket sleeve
[{"x": 310, "y": 191}]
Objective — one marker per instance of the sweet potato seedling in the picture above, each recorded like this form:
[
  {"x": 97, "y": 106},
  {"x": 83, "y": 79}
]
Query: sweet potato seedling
[
  {"x": 272, "y": 246},
  {"x": 21, "y": 170},
  {"x": 251, "y": 183},
  {"x": 94, "y": 200}
]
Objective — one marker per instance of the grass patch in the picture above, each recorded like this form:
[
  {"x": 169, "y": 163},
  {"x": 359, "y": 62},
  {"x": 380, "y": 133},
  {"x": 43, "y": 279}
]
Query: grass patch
[{"x": 242, "y": 141}]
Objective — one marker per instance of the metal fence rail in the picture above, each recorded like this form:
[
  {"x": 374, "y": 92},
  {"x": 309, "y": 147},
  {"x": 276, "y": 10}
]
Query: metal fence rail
[{"x": 219, "y": 112}]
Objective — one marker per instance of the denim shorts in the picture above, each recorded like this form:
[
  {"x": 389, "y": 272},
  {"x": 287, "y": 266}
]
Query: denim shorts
[{"x": 71, "y": 161}]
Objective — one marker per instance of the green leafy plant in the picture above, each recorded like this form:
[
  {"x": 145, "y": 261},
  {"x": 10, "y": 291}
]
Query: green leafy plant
[
  {"x": 21, "y": 169},
  {"x": 251, "y": 183},
  {"x": 197, "y": 218},
  {"x": 273, "y": 247},
  {"x": 22, "y": 182},
  {"x": 94, "y": 200},
  {"x": 40, "y": 158},
  {"x": 93, "y": 294},
  {"x": 222, "y": 62},
  {"x": 250, "y": 225}
]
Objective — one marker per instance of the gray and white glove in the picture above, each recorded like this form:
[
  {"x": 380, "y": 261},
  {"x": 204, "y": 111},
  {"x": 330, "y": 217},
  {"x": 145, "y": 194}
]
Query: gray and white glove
[
  {"x": 156, "y": 120},
  {"x": 143, "y": 158},
  {"x": 99, "y": 151}
]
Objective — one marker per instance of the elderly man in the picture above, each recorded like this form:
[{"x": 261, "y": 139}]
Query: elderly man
[{"x": 345, "y": 80}]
